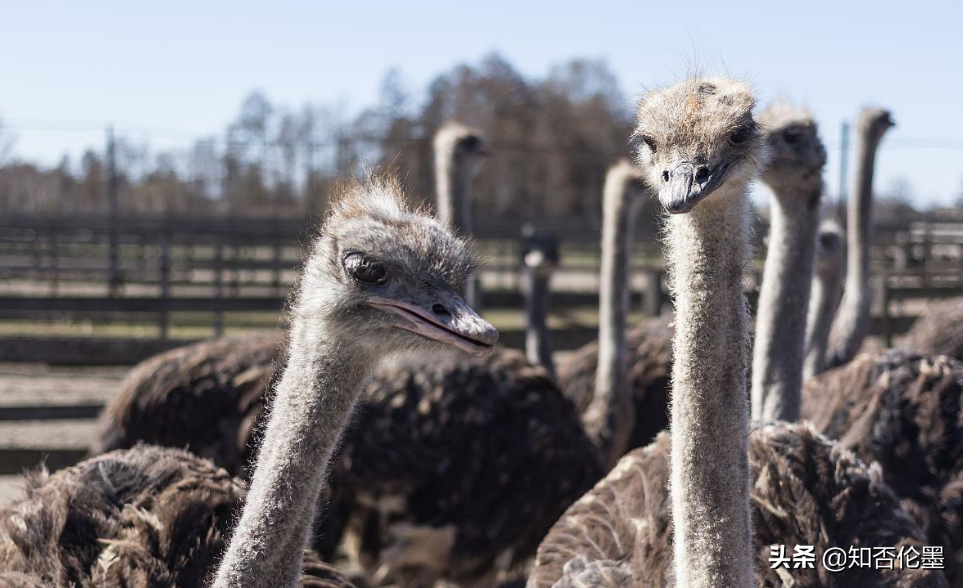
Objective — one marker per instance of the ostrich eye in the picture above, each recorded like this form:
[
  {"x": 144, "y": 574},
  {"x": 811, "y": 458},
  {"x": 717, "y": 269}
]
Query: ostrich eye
[
  {"x": 365, "y": 269},
  {"x": 793, "y": 137},
  {"x": 649, "y": 142},
  {"x": 739, "y": 136}
]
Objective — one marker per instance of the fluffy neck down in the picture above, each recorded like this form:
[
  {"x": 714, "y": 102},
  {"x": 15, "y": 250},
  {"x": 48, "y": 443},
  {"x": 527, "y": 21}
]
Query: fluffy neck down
[
  {"x": 609, "y": 417},
  {"x": 777, "y": 360},
  {"x": 852, "y": 321},
  {"x": 709, "y": 467},
  {"x": 314, "y": 398}
]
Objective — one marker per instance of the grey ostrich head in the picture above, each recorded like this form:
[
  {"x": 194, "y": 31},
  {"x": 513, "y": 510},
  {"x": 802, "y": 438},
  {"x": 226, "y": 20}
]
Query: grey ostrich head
[
  {"x": 695, "y": 137},
  {"x": 874, "y": 122},
  {"x": 390, "y": 278},
  {"x": 830, "y": 249},
  {"x": 466, "y": 146},
  {"x": 796, "y": 154},
  {"x": 540, "y": 252}
]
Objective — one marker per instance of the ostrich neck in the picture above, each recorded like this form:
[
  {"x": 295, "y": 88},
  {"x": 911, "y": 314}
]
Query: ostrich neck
[
  {"x": 314, "y": 398},
  {"x": 709, "y": 465},
  {"x": 538, "y": 348},
  {"x": 823, "y": 302},
  {"x": 852, "y": 322},
  {"x": 609, "y": 417},
  {"x": 453, "y": 191},
  {"x": 777, "y": 359}
]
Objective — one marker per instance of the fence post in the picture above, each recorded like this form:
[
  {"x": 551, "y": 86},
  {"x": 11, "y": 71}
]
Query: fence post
[
  {"x": 236, "y": 272},
  {"x": 218, "y": 290},
  {"x": 113, "y": 205},
  {"x": 165, "y": 283},
  {"x": 276, "y": 264},
  {"x": 54, "y": 263},
  {"x": 37, "y": 256},
  {"x": 880, "y": 306}
]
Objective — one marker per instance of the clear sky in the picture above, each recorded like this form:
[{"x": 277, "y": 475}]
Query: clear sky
[{"x": 187, "y": 65}]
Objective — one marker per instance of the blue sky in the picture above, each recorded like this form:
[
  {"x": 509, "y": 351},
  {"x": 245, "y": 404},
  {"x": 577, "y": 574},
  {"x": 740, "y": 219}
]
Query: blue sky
[{"x": 187, "y": 65}]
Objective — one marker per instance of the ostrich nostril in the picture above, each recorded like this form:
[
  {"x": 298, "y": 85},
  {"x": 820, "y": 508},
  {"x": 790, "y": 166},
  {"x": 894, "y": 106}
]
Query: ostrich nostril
[
  {"x": 665, "y": 176},
  {"x": 440, "y": 310},
  {"x": 702, "y": 173}
]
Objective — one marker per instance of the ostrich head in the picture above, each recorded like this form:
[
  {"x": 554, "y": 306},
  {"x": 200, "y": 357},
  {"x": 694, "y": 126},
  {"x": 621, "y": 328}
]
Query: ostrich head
[
  {"x": 539, "y": 252},
  {"x": 796, "y": 154},
  {"x": 389, "y": 278},
  {"x": 466, "y": 146},
  {"x": 696, "y": 137},
  {"x": 830, "y": 249},
  {"x": 874, "y": 122}
]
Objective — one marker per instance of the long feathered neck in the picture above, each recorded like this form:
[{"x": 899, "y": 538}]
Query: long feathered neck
[
  {"x": 823, "y": 302},
  {"x": 449, "y": 206},
  {"x": 609, "y": 417},
  {"x": 777, "y": 359},
  {"x": 314, "y": 398},
  {"x": 454, "y": 204},
  {"x": 852, "y": 321},
  {"x": 538, "y": 347},
  {"x": 709, "y": 469}
]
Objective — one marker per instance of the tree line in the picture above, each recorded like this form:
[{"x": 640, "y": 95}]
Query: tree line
[{"x": 552, "y": 139}]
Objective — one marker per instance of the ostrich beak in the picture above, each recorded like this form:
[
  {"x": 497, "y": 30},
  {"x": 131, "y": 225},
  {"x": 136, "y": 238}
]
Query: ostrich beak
[
  {"x": 449, "y": 320},
  {"x": 687, "y": 185}
]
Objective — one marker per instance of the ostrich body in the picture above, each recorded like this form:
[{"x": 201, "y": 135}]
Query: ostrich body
[
  {"x": 205, "y": 397},
  {"x": 794, "y": 173},
  {"x": 147, "y": 516},
  {"x": 903, "y": 411},
  {"x": 619, "y": 534},
  {"x": 852, "y": 321},
  {"x": 827, "y": 288},
  {"x": 379, "y": 280},
  {"x": 702, "y": 147}
]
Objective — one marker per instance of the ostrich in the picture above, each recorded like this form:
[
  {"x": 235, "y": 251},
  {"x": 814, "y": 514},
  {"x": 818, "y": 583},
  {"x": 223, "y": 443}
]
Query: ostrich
[
  {"x": 685, "y": 517},
  {"x": 852, "y": 320},
  {"x": 636, "y": 363},
  {"x": 380, "y": 280},
  {"x": 540, "y": 257},
  {"x": 824, "y": 299},
  {"x": 794, "y": 173},
  {"x": 460, "y": 151},
  {"x": 147, "y": 516}
]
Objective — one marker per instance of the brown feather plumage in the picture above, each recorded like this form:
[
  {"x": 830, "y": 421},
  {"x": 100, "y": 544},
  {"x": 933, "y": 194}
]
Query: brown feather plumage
[
  {"x": 905, "y": 412},
  {"x": 143, "y": 517},
  {"x": 805, "y": 491}
]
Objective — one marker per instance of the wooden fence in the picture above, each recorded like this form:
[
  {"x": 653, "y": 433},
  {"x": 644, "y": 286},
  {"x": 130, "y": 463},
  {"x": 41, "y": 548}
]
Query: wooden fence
[{"x": 141, "y": 270}]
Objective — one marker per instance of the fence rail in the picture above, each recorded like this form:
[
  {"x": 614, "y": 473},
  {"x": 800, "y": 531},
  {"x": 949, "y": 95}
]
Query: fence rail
[{"x": 143, "y": 269}]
